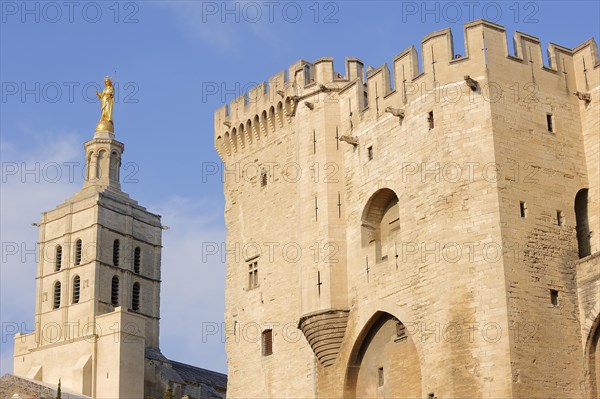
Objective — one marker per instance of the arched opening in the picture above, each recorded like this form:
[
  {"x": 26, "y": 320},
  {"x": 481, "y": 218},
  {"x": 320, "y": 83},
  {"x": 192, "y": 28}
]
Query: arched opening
[
  {"x": 226, "y": 143},
  {"x": 77, "y": 252},
  {"x": 264, "y": 123},
  {"x": 56, "y": 300},
  {"x": 115, "y": 164},
  {"x": 271, "y": 119},
  {"x": 307, "y": 76},
  {"x": 135, "y": 297},
  {"x": 280, "y": 117},
  {"x": 384, "y": 362},
  {"x": 137, "y": 259},
  {"x": 250, "y": 139},
  {"x": 114, "y": 291},
  {"x": 583, "y": 227},
  {"x": 234, "y": 139},
  {"x": 116, "y": 251},
  {"x": 594, "y": 358},
  {"x": 58, "y": 259},
  {"x": 100, "y": 167},
  {"x": 256, "y": 125},
  {"x": 381, "y": 223},
  {"x": 242, "y": 135},
  {"x": 76, "y": 289},
  {"x": 89, "y": 172}
]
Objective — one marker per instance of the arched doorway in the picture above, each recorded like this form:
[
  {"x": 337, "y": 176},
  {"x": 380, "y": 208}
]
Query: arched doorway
[
  {"x": 384, "y": 362},
  {"x": 594, "y": 359}
]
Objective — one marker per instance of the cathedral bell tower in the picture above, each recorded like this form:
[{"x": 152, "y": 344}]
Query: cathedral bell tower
[{"x": 97, "y": 283}]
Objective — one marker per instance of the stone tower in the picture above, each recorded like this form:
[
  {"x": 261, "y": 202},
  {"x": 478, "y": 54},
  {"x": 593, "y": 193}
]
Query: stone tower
[
  {"x": 434, "y": 238},
  {"x": 98, "y": 286}
]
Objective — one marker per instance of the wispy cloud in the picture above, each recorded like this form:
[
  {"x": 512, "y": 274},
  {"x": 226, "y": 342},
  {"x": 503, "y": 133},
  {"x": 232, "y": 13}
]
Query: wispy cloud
[
  {"x": 192, "y": 291},
  {"x": 224, "y": 25},
  {"x": 30, "y": 184},
  {"x": 198, "y": 22}
]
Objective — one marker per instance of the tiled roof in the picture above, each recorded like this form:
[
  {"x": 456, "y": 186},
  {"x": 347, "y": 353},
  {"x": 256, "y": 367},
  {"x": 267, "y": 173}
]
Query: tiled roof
[{"x": 200, "y": 376}]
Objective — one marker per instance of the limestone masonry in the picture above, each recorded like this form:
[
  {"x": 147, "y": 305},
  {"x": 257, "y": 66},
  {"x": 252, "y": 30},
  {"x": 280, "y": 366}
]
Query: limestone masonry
[
  {"x": 98, "y": 299},
  {"x": 434, "y": 237}
]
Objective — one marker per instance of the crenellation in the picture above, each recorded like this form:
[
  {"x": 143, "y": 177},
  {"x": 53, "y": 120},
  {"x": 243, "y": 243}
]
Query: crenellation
[
  {"x": 528, "y": 49},
  {"x": 587, "y": 66},
  {"x": 485, "y": 42},
  {"x": 323, "y": 70},
  {"x": 395, "y": 206},
  {"x": 378, "y": 87},
  {"x": 556, "y": 55},
  {"x": 355, "y": 69},
  {"x": 437, "y": 50},
  {"x": 406, "y": 68}
]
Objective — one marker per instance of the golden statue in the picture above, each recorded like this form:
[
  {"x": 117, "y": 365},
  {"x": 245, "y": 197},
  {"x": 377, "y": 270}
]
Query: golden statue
[{"x": 107, "y": 101}]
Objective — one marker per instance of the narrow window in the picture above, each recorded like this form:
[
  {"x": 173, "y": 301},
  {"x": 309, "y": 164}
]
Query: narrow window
[
  {"x": 137, "y": 255},
  {"x": 430, "y": 120},
  {"x": 554, "y": 297},
  {"x": 135, "y": 297},
  {"x": 370, "y": 153},
  {"x": 56, "y": 302},
  {"x": 263, "y": 178},
  {"x": 253, "y": 275},
  {"x": 267, "y": 342},
  {"x": 76, "y": 289},
  {"x": 307, "y": 79},
  {"x": 114, "y": 293},
  {"x": 400, "y": 330},
  {"x": 380, "y": 376},
  {"x": 550, "y": 122},
  {"x": 58, "y": 260},
  {"x": 77, "y": 252},
  {"x": 116, "y": 250},
  {"x": 523, "y": 209},
  {"x": 560, "y": 219},
  {"x": 583, "y": 227}
]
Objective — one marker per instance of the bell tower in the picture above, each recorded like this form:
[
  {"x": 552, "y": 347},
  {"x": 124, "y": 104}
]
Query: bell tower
[
  {"x": 97, "y": 283},
  {"x": 103, "y": 160}
]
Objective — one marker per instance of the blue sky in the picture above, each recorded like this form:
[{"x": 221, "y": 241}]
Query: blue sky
[{"x": 167, "y": 58}]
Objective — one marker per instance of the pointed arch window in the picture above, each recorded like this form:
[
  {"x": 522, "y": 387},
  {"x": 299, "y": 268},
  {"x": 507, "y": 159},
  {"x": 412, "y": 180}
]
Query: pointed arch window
[
  {"x": 76, "y": 289},
  {"x": 77, "y": 252},
  {"x": 116, "y": 250},
  {"x": 137, "y": 258},
  {"x": 381, "y": 223},
  {"x": 58, "y": 259},
  {"x": 135, "y": 297},
  {"x": 114, "y": 292},
  {"x": 56, "y": 300}
]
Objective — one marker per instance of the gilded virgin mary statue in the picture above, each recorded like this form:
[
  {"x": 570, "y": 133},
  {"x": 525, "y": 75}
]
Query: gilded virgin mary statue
[{"x": 107, "y": 101}]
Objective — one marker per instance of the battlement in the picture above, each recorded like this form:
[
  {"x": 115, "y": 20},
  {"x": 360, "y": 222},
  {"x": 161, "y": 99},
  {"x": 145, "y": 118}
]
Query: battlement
[{"x": 273, "y": 104}]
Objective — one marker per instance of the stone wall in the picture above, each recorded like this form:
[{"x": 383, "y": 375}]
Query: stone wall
[{"x": 404, "y": 202}]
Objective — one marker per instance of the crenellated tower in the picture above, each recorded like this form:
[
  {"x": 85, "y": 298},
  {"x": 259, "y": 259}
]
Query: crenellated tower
[{"x": 432, "y": 238}]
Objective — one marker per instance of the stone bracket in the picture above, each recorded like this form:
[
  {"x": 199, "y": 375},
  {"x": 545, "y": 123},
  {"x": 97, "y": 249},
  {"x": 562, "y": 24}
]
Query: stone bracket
[{"x": 324, "y": 330}]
